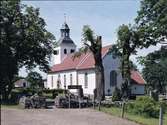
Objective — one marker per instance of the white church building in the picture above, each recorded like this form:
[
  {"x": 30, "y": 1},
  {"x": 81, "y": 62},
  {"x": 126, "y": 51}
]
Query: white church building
[{"x": 81, "y": 71}]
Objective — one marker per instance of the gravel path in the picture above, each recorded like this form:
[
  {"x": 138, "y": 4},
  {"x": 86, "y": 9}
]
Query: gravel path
[{"x": 59, "y": 117}]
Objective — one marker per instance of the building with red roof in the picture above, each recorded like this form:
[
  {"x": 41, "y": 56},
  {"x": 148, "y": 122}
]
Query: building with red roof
[{"x": 68, "y": 70}]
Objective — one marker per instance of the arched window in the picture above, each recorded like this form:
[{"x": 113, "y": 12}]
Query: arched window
[
  {"x": 24, "y": 84},
  {"x": 86, "y": 80},
  {"x": 70, "y": 79},
  {"x": 65, "y": 51},
  {"x": 113, "y": 78}
]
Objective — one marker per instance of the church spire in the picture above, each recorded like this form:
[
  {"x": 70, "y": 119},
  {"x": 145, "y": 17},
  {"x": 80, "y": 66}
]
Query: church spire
[
  {"x": 65, "y": 33},
  {"x": 65, "y": 30}
]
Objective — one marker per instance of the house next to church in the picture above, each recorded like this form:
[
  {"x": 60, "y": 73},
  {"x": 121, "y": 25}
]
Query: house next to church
[{"x": 81, "y": 70}]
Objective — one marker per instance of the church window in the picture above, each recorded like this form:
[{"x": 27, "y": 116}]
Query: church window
[
  {"x": 70, "y": 79},
  {"x": 52, "y": 81},
  {"x": 86, "y": 80},
  {"x": 72, "y": 50},
  {"x": 59, "y": 76},
  {"x": 55, "y": 52},
  {"x": 65, "y": 51},
  {"x": 65, "y": 81},
  {"x": 113, "y": 78},
  {"x": 24, "y": 84}
]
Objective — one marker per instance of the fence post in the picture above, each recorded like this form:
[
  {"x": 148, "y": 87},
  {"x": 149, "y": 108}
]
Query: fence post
[
  {"x": 79, "y": 102},
  {"x": 123, "y": 109},
  {"x": 93, "y": 102},
  {"x": 161, "y": 115},
  {"x": 69, "y": 105}
]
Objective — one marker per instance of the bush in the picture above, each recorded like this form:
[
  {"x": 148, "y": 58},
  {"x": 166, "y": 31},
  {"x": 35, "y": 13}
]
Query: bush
[
  {"x": 52, "y": 93},
  {"x": 53, "y": 90},
  {"x": 144, "y": 106},
  {"x": 116, "y": 95}
]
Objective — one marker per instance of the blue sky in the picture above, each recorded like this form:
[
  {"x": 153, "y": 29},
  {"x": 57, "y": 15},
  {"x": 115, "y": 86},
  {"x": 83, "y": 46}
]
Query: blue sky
[{"x": 104, "y": 17}]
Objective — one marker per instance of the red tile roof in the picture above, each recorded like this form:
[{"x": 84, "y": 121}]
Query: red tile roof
[
  {"x": 136, "y": 76},
  {"x": 86, "y": 61}
]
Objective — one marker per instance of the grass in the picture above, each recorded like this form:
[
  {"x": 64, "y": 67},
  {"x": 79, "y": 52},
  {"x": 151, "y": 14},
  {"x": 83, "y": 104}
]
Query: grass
[
  {"x": 139, "y": 119},
  {"x": 10, "y": 106}
]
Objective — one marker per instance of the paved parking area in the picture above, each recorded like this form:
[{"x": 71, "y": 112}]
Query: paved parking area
[{"x": 59, "y": 117}]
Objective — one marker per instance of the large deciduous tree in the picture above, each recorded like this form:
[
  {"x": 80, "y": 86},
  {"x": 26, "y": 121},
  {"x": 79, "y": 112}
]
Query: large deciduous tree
[
  {"x": 152, "y": 24},
  {"x": 93, "y": 44},
  {"x": 24, "y": 42},
  {"x": 127, "y": 43}
]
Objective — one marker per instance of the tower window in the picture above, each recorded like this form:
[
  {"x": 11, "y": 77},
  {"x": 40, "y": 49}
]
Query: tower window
[
  {"x": 55, "y": 52},
  {"x": 72, "y": 50},
  {"x": 65, "y": 51}
]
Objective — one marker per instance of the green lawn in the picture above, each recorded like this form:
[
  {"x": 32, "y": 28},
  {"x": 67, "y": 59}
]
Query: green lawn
[{"x": 139, "y": 119}]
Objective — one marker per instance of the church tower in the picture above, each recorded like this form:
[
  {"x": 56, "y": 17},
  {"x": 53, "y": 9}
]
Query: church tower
[{"x": 65, "y": 45}]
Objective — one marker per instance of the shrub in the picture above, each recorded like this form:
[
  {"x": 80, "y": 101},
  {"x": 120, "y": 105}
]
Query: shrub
[
  {"x": 144, "y": 106},
  {"x": 116, "y": 94},
  {"x": 52, "y": 93}
]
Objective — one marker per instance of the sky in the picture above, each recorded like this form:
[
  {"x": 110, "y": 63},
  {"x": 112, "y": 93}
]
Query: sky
[{"x": 104, "y": 17}]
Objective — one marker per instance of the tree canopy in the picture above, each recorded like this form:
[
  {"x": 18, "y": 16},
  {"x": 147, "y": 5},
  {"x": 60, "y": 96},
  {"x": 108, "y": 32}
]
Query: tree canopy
[
  {"x": 35, "y": 79},
  {"x": 152, "y": 21},
  {"x": 24, "y": 41},
  {"x": 155, "y": 70}
]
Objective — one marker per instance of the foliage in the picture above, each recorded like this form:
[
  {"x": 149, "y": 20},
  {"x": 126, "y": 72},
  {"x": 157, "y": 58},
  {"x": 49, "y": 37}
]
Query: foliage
[
  {"x": 155, "y": 70},
  {"x": 19, "y": 92},
  {"x": 52, "y": 93},
  {"x": 94, "y": 45},
  {"x": 127, "y": 43},
  {"x": 35, "y": 80},
  {"x": 116, "y": 94},
  {"x": 116, "y": 111},
  {"x": 24, "y": 42},
  {"x": 144, "y": 106},
  {"x": 152, "y": 22}
]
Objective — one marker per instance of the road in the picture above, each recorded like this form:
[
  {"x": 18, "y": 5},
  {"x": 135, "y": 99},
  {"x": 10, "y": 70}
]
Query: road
[{"x": 59, "y": 117}]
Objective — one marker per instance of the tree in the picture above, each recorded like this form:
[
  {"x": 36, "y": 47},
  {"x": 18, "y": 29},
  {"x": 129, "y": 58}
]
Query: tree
[
  {"x": 127, "y": 43},
  {"x": 35, "y": 80},
  {"x": 152, "y": 22},
  {"x": 155, "y": 70},
  {"x": 24, "y": 42},
  {"x": 94, "y": 45}
]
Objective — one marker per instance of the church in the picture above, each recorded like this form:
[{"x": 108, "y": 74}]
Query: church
[{"x": 81, "y": 71}]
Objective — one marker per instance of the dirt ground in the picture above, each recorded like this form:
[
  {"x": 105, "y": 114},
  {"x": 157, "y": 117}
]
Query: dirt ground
[{"x": 59, "y": 117}]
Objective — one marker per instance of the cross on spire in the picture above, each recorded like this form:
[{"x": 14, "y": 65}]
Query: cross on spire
[{"x": 65, "y": 17}]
